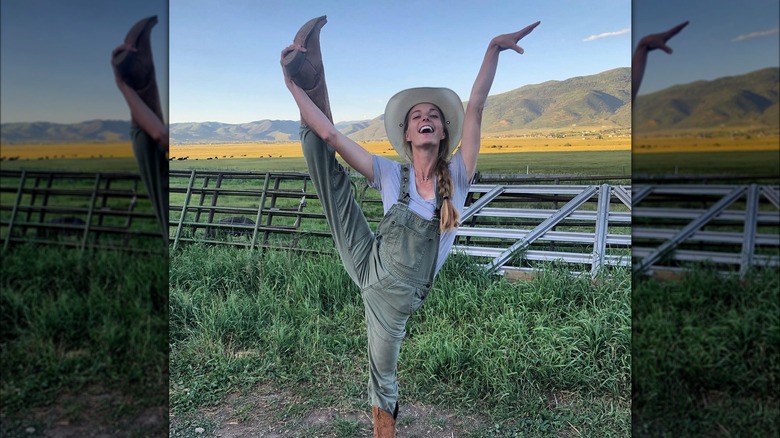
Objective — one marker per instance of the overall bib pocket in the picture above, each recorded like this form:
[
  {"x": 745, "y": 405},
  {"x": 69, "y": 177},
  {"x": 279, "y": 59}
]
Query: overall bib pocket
[{"x": 406, "y": 246}]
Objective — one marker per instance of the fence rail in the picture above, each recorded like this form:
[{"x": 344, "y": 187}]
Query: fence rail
[
  {"x": 77, "y": 210},
  {"x": 733, "y": 227},
  {"x": 509, "y": 228}
]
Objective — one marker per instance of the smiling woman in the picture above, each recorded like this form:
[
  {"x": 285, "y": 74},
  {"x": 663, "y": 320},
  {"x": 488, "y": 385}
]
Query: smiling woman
[{"x": 423, "y": 198}]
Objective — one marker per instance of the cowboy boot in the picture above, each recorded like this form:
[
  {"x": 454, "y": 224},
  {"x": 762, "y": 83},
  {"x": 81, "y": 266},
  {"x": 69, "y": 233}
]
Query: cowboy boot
[
  {"x": 305, "y": 68},
  {"x": 384, "y": 422},
  {"x": 137, "y": 68}
]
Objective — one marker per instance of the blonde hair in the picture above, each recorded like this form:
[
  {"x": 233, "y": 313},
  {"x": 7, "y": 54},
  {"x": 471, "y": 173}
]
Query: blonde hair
[
  {"x": 448, "y": 215},
  {"x": 446, "y": 190}
]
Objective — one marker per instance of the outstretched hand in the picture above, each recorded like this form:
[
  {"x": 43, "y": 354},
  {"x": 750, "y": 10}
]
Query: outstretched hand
[
  {"x": 509, "y": 40},
  {"x": 658, "y": 40}
]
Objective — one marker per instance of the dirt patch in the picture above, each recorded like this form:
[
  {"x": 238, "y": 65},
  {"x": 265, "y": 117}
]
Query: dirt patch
[
  {"x": 95, "y": 412},
  {"x": 268, "y": 412}
]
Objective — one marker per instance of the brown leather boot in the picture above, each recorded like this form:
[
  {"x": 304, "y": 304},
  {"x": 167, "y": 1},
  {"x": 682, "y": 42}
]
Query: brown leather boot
[
  {"x": 384, "y": 422},
  {"x": 137, "y": 68},
  {"x": 305, "y": 68}
]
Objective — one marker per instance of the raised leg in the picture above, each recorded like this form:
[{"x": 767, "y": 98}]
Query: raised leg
[
  {"x": 351, "y": 232},
  {"x": 153, "y": 167}
]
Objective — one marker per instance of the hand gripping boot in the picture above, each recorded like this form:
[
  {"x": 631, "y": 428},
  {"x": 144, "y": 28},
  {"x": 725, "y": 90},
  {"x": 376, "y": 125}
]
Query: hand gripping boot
[
  {"x": 137, "y": 68},
  {"x": 305, "y": 68}
]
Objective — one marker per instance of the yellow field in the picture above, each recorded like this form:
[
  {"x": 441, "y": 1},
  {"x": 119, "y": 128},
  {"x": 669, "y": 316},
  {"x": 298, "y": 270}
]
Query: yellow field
[
  {"x": 645, "y": 145},
  {"x": 67, "y": 150},
  {"x": 489, "y": 145}
]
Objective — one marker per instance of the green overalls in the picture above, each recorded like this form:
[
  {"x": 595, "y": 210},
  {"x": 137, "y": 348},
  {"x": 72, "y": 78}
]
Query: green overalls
[
  {"x": 394, "y": 269},
  {"x": 153, "y": 167}
]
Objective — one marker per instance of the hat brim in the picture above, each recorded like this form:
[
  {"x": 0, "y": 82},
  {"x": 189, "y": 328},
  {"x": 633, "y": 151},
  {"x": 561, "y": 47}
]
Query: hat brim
[{"x": 399, "y": 105}]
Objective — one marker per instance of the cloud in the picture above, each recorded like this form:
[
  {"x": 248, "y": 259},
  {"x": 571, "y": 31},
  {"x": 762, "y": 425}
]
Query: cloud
[
  {"x": 607, "y": 34},
  {"x": 751, "y": 35}
]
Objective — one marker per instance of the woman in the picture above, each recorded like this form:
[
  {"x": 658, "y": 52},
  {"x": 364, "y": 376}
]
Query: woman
[
  {"x": 422, "y": 198},
  {"x": 135, "y": 77}
]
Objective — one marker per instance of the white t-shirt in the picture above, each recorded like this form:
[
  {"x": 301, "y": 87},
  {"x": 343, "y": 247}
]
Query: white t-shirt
[{"x": 387, "y": 179}]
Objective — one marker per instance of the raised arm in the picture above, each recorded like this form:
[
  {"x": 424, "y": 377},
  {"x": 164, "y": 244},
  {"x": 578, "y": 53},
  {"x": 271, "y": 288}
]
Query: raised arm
[
  {"x": 354, "y": 154},
  {"x": 645, "y": 45},
  {"x": 472, "y": 124}
]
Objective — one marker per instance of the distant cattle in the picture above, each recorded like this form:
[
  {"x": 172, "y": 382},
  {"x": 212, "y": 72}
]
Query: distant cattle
[{"x": 214, "y": 232}]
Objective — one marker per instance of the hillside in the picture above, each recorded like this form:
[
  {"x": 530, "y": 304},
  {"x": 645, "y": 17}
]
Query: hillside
[
  {"x": 45, "y": 132},
  {"x": 600, "y": 100},
  {"x": 749, "y": 100}
]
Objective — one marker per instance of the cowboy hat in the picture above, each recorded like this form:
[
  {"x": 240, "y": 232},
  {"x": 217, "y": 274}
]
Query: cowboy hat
[{"x": 399, "y": 105}]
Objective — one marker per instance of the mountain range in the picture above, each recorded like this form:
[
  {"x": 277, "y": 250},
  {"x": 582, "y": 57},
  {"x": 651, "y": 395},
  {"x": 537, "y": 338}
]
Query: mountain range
[
  {"x": 601, "y": 101},
  {"x": 46, "y": 132},
  {"x": 748, "y": 100}
]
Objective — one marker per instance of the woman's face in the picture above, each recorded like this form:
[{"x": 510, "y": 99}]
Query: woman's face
[{"x": 425, "y": 125}]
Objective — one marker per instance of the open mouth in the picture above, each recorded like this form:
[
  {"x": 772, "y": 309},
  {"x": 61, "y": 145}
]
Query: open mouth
[{"x": 426, "y": 129}]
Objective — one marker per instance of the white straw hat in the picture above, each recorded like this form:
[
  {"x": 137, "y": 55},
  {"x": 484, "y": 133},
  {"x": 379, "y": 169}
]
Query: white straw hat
[{"x": 399, "y": 105}]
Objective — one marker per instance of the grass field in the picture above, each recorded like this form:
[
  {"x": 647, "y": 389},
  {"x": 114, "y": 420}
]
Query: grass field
[
  {"x": 755, "y": 163},
  {"x": 491, "y": 358},
  {"x": 706, "y": 355},
  {"x": 531, "y": 154},
  {"x": 579, "y": 163},
  {"x": 125, "y": 164},
  {"x": 536, "y": 154},
  {"x": 84, "y": 343},
  {"x": 489, "y": 145},
  {"x": 702, "y": 154},
  {"x": 704, "y": 143}
]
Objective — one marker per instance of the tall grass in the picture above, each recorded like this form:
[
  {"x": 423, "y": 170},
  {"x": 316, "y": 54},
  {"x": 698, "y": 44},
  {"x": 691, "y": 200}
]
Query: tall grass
[
  {"x": 70, "y": 319},
  {"x": 706, "y": 355},
  {"x": 532, "y": 357}
]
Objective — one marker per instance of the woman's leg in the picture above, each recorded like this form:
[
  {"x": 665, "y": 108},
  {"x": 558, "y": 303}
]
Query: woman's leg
[
  {"x": 351, "y": 232},
  {"x": 153, "y": 167},
  {"x": 387, "y": 309}
]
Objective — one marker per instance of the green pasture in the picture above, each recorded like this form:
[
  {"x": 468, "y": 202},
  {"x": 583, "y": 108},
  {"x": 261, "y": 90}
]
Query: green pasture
[
  {"x": 755, "y": 163},
  {"x": 75, "y": 165},
  {"x": 578, "y": 163},
  {"x": 480, "y": 346}
]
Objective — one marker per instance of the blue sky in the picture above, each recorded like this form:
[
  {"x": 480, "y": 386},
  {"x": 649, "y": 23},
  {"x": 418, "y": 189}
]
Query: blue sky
[
  {"x": 224, "y": 55},
  {"x": 225, "y": 60},
  {"x": 724, "y": 38},
  {"x": 55, "y": 57}
]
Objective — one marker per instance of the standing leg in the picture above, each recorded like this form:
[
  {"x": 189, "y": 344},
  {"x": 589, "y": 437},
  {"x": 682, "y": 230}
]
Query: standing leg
[{"x": 387, "y": 309}]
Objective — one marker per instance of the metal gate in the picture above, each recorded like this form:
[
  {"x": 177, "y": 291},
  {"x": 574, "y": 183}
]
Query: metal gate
[{"x": 735, "y": 228}]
